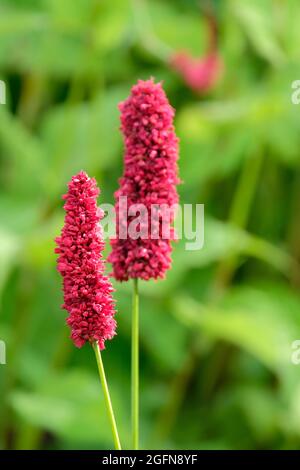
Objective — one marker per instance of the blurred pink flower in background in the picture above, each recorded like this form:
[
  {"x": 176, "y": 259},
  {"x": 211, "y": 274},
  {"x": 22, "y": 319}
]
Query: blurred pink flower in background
[{"x": 200, "y": 74}]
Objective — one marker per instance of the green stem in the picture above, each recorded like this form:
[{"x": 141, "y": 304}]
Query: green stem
[
  {"x": 245, "y": 192},
  {"x": 135, "y": 366},
  {"x": 294, "y": 230},
  {"x": 239, "y": 215},
  {"x": 107, "y": 399}
]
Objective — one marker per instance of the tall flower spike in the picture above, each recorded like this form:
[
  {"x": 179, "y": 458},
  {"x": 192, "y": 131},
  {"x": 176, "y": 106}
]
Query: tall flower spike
[
  {"x": 87, "y": 290},
  {"x": 149, "y": 178}
]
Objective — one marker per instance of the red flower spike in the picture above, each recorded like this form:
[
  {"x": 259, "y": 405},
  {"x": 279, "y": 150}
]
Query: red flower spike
[
  {"x": 149, "y": 178},
  {"x": 87, "y": 290}
]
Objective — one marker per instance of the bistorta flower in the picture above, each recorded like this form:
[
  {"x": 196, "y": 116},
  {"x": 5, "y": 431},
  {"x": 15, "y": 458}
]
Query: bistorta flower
[
  {"x": 87, "y": 290},
  {"x": 150, "y": 177}
]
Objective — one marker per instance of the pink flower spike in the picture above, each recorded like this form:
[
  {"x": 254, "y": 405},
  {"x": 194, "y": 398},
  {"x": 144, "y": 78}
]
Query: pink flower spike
[
  {"x": 87, "y": 290},
  {"x": 150, "y": 177}
]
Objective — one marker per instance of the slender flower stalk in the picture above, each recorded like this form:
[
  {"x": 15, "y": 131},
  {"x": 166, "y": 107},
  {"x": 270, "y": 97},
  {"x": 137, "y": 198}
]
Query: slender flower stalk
[
  {"x": 149, "y": 179},
  {"x": 107, "y": 399},
  {"x": 87, "y": 290},
  {"x": 135, "y": 366}
]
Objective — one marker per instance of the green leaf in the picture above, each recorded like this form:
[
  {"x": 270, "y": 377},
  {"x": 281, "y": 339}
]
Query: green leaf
[
  {"x": 220, "y": 241},
  {"x": 25, "y": 155},
  {"x": 10, "y": 246},
  {"x": 79, "y": 137},
  {"x": 263, "y": 321},
  {"x": 167, "y": 21},
  {"x": 257, "y": 21},
  {"x": 70, "y": 405}
]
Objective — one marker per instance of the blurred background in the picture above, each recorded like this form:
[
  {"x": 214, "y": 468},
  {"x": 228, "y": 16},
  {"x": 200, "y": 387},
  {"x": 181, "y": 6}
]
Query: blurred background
[{"x": 216, "y": 335}]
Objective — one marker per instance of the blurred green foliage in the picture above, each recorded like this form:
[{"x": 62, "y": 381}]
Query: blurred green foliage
[{"x": 216, "y": 335}]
